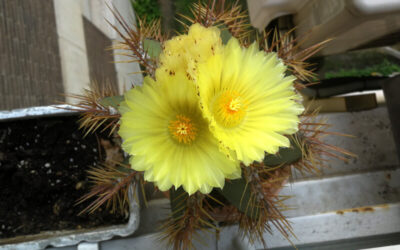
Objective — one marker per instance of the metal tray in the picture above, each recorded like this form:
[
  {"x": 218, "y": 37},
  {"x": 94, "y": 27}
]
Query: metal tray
[{"x": 65, "y": 237}]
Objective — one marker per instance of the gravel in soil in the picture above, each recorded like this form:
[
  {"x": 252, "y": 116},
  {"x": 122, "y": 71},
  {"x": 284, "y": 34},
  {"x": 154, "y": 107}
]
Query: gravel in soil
[{"x": 43, "y": 164}]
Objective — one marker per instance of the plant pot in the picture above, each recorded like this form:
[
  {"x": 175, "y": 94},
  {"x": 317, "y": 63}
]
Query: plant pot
[{"x": 51, "y": 176}]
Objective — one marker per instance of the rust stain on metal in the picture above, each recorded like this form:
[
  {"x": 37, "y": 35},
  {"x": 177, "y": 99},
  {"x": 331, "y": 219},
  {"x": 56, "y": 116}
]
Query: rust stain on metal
[
  {"x": 362, "y": 209},
  {"x": 367, "y": 209},
  {"x": 386, "y": 206}
]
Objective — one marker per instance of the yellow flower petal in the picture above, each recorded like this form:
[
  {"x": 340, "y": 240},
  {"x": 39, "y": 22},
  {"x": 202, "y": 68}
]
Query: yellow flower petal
[
  {"x": 169, "y": 139},
  {"x": 183, "y": 53},
  {"x": 250, "y": 103}
]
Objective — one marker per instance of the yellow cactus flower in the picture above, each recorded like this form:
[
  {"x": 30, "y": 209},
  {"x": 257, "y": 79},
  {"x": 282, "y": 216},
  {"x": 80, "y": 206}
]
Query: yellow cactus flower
[
  {"x": 168, "y": 138},
  {"x": 184, "y": 52},
  {"x": 250, "y": 103}
]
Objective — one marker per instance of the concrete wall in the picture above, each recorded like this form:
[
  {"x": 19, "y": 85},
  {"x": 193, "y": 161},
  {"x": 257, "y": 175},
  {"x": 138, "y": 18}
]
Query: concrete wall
[
  {"x": 71, "y": 38},
  {"x": 74, "y": 61},
  {"x": 98, "y": 11}
]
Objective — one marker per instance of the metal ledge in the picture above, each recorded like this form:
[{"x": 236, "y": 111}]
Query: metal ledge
[
  {"x": 325, "y": 227},
  {"x": 34, "y": 112}
]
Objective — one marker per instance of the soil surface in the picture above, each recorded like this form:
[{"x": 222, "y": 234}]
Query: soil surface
[{"x": 43, "y": 164}]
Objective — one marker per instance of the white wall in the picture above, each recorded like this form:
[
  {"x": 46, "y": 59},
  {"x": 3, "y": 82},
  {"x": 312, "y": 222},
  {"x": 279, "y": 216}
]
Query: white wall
[
  {"x": 71, "y": 37},
  {"x": 98, "y": 12}
]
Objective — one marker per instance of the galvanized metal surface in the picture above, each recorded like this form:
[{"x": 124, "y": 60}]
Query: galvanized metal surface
[
  {"x": 373, "y": 142},
  {"x": 342, "y": 224},
  {"x": 66, "y": 237},
  {"x": 319, "y": 228},
  {"x": 88, "y": 246},
  {"x": 33, "y": 112},
  {"x": 342, "y": 192},
  {"x": 203, "y": 241},
  {"x": 153, "y": 215}
]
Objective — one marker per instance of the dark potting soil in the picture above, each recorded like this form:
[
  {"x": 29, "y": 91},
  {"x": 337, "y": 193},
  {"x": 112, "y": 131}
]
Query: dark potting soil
[{"x": 43, "y": 164}]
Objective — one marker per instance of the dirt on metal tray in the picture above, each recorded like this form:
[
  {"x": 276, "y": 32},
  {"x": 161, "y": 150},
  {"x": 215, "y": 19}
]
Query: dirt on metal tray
[{"x": 43, "y": 164}]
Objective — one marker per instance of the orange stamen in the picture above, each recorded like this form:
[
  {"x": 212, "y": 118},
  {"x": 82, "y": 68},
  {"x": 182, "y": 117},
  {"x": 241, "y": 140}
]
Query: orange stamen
[{"x": 183, "y": 129}]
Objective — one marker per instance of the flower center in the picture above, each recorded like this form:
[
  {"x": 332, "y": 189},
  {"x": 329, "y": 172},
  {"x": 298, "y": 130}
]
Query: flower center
[
  {"x": 234, "y": 105},
  {"x": 183, "y": 129},
  {"x": 229, "y": 108}
]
